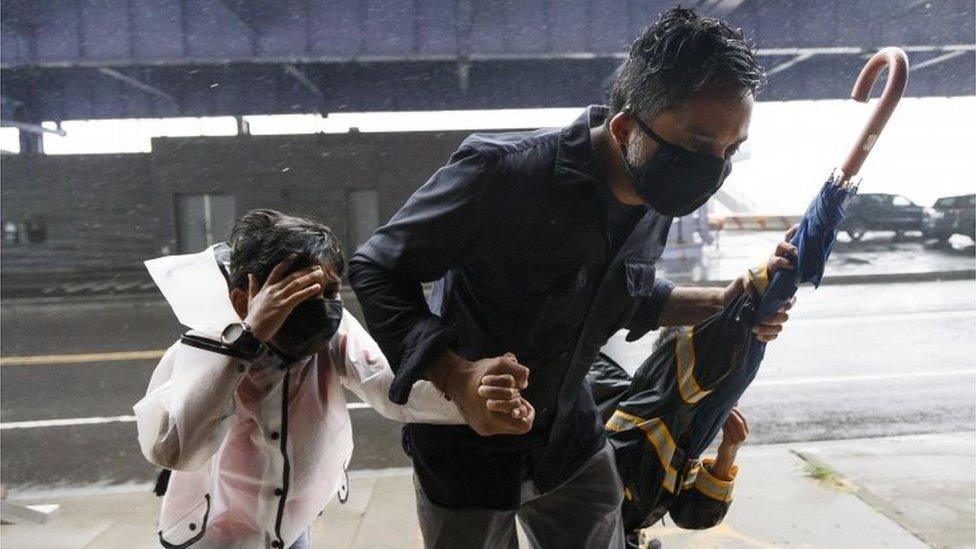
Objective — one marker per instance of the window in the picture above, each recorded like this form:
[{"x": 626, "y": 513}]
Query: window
[
  {"x": 203, "y": 219},
  {"x": 364, "y": 216}
]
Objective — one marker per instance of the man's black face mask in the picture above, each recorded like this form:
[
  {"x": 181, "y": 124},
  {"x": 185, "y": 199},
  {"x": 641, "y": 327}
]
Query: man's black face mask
[
  {"x": 675, "y": 181},
  {"x": 309, "y": 327}
]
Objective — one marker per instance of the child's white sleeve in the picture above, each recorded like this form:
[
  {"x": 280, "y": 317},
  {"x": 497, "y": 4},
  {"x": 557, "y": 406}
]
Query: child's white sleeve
[
  {"x": 365, "y": 371},
  {"x": 186, "y": 412}
]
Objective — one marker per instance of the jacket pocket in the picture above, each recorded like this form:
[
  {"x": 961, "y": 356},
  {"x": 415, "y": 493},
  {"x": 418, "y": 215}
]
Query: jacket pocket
[
  {"x": 542, "y": 289},
  {"x": 187, "y": 530},
  {"x": 640, "y": 277}
]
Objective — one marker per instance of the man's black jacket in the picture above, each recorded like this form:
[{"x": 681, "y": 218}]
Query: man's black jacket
[{"x": 514, "y": 233}]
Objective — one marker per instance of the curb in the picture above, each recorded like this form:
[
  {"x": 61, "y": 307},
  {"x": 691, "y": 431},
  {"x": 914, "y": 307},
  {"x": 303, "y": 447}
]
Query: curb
[
  {"x": 839, "y": 280},
  {"x": 753, "y": 222}
]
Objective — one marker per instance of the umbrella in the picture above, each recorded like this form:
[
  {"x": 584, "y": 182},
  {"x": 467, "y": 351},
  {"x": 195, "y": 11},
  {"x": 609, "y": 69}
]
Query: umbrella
[{"x": 682, "y": 394}]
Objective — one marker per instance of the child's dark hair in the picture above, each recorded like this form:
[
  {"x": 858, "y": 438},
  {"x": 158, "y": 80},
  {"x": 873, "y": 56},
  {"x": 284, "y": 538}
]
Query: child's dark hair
[
  {"x": 666, "y": 334},
  {"x": 680, "y": 54},
  {"x": 263, "y": 238}
]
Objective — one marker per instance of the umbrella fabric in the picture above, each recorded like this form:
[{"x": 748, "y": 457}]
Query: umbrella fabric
[
  {"x": 814, "y": 240},
  {"x": 651, "y": 424},
  {"x": 682, "y": 394}
]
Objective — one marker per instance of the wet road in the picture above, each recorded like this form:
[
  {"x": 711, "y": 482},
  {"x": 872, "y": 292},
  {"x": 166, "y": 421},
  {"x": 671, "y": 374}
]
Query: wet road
[
  {"x": 862, "y": 361},
  {"x": 856, "y": 361}
]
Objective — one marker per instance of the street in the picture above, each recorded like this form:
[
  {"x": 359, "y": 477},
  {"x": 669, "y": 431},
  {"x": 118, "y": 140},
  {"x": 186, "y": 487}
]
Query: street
[{"x": 855, "y": 361}]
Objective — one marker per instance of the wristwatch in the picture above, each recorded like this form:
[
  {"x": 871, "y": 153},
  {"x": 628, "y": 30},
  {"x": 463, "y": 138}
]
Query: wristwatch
[{"x": 239, "y": 337}]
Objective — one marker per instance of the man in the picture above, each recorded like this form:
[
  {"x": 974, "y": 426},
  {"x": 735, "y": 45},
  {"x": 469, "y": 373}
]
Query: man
[{"x": 543, "y": 245}]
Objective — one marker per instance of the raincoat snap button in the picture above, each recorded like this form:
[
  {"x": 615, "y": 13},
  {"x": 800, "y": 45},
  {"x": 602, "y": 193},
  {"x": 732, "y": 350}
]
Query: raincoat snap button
[
  {"x": 193, "y": 526},
  {"x": 278, "y": 491},
  {"x": 275, "y": 435}
]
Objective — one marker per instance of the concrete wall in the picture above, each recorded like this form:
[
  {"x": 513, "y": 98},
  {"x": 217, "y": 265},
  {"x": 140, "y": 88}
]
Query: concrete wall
[
  {"x": 110, "y": 212},
  {"x": 94, "y": 207}
]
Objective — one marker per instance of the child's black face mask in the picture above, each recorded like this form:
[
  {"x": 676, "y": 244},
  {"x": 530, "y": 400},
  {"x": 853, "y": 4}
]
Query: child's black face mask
[{"x": 309, "y": 327}]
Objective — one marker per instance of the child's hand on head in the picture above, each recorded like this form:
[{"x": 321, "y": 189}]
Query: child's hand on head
[{"x": 269, "y": 305}]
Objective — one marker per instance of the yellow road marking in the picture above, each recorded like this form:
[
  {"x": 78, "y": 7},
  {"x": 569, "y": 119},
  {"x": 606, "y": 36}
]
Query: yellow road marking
[{"x": 80, "y": 358}]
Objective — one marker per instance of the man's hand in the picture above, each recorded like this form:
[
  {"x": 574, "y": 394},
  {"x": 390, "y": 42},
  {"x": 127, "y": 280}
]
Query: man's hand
[
  {"x": 268, "y": 306},
  {"x": 501, "y": 393},
  {"x": 770, "y": 327},
  {"x": 461, "y": 380}
]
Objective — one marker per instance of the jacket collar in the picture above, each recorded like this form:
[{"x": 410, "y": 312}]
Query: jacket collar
[{"x": 576, "y": 160}]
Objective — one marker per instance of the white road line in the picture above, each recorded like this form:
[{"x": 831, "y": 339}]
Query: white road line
[
  {"x": 65, "y": 422},
  {"x": 860, "y": 378},
  {"x": 883, "y": 317},
  {"x": 98, "y": 420}
]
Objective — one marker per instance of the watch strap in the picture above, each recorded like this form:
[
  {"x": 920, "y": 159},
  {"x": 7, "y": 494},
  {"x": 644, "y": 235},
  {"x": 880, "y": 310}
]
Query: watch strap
[{"x": 247, "y": 344}]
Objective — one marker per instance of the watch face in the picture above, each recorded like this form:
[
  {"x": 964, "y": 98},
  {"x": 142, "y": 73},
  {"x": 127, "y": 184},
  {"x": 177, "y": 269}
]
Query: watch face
[{"x": 231, "y": 333}]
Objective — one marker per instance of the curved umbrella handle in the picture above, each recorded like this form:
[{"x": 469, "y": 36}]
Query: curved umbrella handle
[{"x": 897, "y": 63}]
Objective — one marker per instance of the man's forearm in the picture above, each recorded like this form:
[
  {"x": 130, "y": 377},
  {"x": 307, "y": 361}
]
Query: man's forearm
[{"x": 687, "y": 305}]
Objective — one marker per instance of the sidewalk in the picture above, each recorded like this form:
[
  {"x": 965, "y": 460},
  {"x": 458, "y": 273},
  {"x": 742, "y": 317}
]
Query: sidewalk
[{"x": 912, "y": 491}]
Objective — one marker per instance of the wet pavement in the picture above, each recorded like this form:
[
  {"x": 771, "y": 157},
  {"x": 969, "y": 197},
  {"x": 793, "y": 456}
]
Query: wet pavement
[{"x": 899, "y": 492}]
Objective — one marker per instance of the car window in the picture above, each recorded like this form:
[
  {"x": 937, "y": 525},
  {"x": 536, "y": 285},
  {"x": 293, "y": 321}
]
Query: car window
[
  {"x": 901, "y": 201},
  {"x": 944, "y": 202},
  {"x": 969, "y": 201}
]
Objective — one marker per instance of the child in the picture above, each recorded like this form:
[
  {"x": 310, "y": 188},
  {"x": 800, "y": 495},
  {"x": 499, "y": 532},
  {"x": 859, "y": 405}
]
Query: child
[
  {"x": 706, "y": 492},
  {"x": 247, "y": 407}
]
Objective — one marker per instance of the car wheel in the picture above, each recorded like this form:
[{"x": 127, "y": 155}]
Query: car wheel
[{"x": 856, "y": 231}]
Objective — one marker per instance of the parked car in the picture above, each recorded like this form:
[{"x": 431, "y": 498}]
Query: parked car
[
  {"x": 881, "y": 212},
  {"x": 951, "y": 215}
]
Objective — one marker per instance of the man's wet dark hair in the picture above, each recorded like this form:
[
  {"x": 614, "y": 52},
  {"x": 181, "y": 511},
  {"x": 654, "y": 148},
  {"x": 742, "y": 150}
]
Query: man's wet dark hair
[
  {"x": 680, "y": 54},
  {"x": 263, "y": 238}
]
